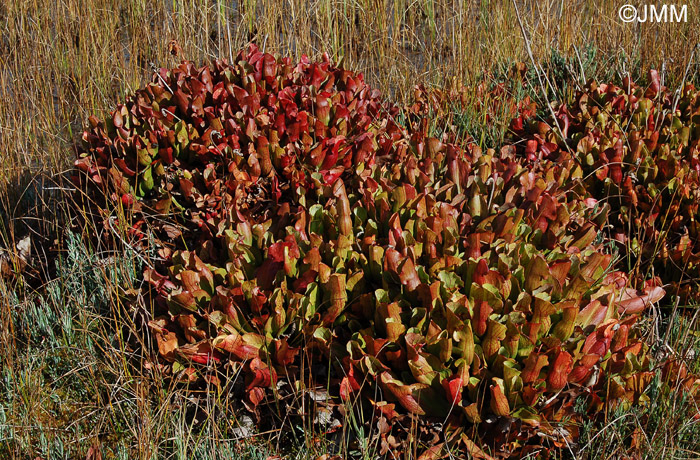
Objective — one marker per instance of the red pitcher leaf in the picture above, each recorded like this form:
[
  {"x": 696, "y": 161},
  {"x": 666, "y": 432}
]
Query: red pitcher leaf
[
  {"x": 632, "y": 302},
  {"x": 581, "y": 375},
  {"x": 275, "y": 262},
  {"x": 190, "y": 280},
  {"x": 482, "y": 310},
  {"x": 343, "y": 208},
  {"x": 417, "y": 398},
  {"x": 263, "y": 375},
  {"x": 284, "y": 354},
  {"x": 594, "y": 313},
  {"x": 559, "y": 371},
  {"x": 117, "y": 118},
  {"x": 453, "y": 389},
  {"x": 254, "y": 396},
  {"x": 408, "y": 274},
  {"x": 167, "y": 343},
  {"x": 531, "y": 394},
  {"x": 560, "y": 271},
  {"x": 565, "y": 327},
  {"x": 620, "y": 338},
  {"x": 655, "y": 84},
  {"x": 472, "y": 413},
  {"x": 124, "y": 167},
  {"x": 536, "y": 271},
  {"x": 421, "y": 368},
  {"x": 303, "y": 282},
  {"x": 338, "y": 297},
  {"x": 183, "y": 300},
  {"x": 201, "y": 353},
  {"x": 465, "y": 343},
  {"x": 345, "y": 389},
  {"x": 160, "y": 282},
  {"x": 234, "y": 344},
  {"x": 403, "y": 393},
  {"x": 390, "y": 316},
  {"x": 392, "y": 262},
  {"x": 499, "y": 403},
  {"x": 590, "y": 360},
  {"x": 491, "y": 342},
  {"x": 480, "y": 272},
  {"x": 595, "y": 267},
  {"x": 182, "y": 101},
  {"x": 598, "y": 341},
  {"x": 349, "y": 384},
  {"x": 533, "y": 366}
]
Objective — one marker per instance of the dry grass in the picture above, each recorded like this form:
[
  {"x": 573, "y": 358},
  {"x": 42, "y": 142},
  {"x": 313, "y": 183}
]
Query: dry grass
[{"x": 69, "y": 385}]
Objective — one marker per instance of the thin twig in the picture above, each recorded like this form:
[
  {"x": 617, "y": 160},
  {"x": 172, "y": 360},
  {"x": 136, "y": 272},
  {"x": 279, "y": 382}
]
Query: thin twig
[
  {"x": 580, "y": 64},
  {"x": 685, "y": 76},
  {"x": 539, "y": 76}
]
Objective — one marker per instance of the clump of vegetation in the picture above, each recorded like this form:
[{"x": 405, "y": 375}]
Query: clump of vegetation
[
  {"x": 309, "y": 242},
  {"x": 635, "y": 149}
]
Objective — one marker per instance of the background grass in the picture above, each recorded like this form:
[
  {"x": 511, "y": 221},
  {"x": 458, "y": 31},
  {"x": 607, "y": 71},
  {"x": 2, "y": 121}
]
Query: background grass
[{"x": 71, "y": 379}]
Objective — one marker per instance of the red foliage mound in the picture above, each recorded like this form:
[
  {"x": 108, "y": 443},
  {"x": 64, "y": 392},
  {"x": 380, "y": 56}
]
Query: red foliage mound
[{"x": 310, "y": 242}]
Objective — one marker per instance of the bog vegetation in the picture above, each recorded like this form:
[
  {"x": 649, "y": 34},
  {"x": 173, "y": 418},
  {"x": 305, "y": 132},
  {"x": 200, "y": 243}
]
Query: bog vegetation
[
  {"x": 308, "y": 242},
  {"x": 266, "y": 255}
]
